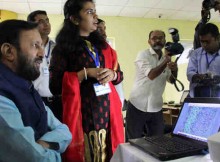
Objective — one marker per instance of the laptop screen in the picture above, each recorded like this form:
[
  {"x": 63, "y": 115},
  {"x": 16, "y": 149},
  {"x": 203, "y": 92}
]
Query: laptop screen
[{"x": 198, "y": 120}]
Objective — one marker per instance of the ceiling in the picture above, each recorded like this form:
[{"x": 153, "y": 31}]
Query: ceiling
[{"x": 163, "y": 9}]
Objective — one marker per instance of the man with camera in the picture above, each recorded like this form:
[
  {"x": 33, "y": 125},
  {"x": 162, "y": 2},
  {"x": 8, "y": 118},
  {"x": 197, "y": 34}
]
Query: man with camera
[
  {"x": 203, "y": 70},
  {"x": 153, "y": 69},
  {"x": 207, "y": 5}
]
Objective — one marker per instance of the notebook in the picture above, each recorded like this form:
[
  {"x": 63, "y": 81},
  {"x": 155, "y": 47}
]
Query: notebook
[
  {"x": 184, "y": 95},
  {"x": 199, "y": 118}
]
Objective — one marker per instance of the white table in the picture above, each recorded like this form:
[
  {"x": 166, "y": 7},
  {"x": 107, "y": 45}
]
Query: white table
[{"x": 128, "y": 153}]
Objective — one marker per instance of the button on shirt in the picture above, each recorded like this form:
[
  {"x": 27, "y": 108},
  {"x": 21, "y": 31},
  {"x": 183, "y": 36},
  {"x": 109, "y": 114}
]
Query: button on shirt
[
  {"x": 146, "y": 94},
  {"x": 41, "y": 84},
  {"x": 199, "y": 64}
]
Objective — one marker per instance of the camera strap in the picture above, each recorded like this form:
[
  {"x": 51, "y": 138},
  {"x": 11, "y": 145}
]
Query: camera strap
[{"x": 178, "y": 81}]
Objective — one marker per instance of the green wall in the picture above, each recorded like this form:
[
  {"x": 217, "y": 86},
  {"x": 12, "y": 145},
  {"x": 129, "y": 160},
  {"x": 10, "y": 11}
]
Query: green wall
[{"x": 131, "y": 36}]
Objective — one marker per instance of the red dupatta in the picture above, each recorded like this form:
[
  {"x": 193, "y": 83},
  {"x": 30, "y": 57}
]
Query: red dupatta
[
  {"x": 72, "y": 117},
  {"x": 72, "y": 112}
]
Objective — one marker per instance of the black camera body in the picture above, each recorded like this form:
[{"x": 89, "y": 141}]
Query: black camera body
[
  {"x": 209, "y": 80},
  {"x": 174, "y": 47},
  {"x": 208, "y": 86},
  {"x": 208, "y": 4}
]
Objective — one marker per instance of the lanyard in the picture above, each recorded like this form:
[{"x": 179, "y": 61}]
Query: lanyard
[
  {"x": 207, "y": 60},
  {"x": 48, "y": 54},
  {"x": 95, "y": 59}
]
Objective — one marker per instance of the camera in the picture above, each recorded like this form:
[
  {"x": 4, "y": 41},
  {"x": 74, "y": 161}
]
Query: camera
[
  {"x": 208, "y": 4},
  {"x": 209, "y": 80},
  {"x": 174, "y": 47},
  {"x": 207, "y": 86}
]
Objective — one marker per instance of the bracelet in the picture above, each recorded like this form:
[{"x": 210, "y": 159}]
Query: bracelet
[
  {"x": 115, "y": 76},
  {"x": 85, "y": 73}
]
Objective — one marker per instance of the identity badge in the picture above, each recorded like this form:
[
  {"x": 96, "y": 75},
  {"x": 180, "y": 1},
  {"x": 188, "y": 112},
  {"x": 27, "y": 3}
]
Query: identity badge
[{"x": 101, "y": 89}]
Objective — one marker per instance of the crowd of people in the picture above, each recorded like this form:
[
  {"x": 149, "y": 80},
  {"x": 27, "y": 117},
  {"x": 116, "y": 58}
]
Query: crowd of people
[{"x": 62, "y": 101}]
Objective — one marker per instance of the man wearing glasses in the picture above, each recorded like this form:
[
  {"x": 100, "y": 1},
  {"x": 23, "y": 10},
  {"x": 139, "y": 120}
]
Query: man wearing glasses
[
  {"x": 153, "y": 69},
  {"x": 41, "y": 84}
]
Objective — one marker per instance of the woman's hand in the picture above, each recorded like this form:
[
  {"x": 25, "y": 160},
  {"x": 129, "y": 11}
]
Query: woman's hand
[{"x": 105, "y": 75}]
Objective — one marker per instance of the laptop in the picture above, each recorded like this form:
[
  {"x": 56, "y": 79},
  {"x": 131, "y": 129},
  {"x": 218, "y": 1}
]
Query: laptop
[
  {"x": 184, "y": 95},
  {"x": 199, "y": 118}
]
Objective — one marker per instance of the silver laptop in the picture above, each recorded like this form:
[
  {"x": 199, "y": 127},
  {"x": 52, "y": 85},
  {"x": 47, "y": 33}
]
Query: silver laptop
[
  {"x": 184, "y": 95},
  {"x": 199, "y": 118}
]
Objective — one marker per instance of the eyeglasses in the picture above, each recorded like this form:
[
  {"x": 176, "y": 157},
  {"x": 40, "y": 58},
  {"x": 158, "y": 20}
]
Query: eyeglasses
[
  {"x": 157, "y": 38},
  {"x": 42, "y": 21}
]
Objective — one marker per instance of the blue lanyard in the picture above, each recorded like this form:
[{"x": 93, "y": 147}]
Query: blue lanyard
[
  {"x": 207, "y": 60},
  {"x": 48, "y": 54},
  {"x": 96, "y": 59}
]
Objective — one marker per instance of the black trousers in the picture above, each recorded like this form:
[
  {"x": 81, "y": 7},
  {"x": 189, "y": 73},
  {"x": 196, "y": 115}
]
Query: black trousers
[
  {"x": 139, "y": 123},
  {"x": 55, "y": 104}
]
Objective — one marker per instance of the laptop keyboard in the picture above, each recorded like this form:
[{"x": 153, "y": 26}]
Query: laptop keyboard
[{"x": 173, "y": 144}]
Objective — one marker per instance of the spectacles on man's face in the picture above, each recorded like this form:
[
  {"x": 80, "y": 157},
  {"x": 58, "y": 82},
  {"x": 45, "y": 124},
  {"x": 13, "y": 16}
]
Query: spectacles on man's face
[
  {"x": 43, "y": 21},
  {"x": 155, "y": 38}
]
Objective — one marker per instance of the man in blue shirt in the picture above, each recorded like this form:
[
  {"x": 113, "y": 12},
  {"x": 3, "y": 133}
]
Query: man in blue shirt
[
  {"x": 207, "y": 5},
  {"x": 203, "y": 70},
  {"x": 28, "y": 129}
]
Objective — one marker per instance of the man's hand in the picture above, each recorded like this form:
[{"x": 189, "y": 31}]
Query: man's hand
[
  {"x": 198, "y": 78},
  {"x": 44, "y": 144},
  {"x": 167, "y": 56},
  {"x": 172, "y": 66},
  {"x": 205, "y": 15}
]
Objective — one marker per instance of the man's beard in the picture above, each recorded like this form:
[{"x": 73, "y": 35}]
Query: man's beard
[
  {"x": 157, "y": 47},
  {"x": 26, "y": 68}
]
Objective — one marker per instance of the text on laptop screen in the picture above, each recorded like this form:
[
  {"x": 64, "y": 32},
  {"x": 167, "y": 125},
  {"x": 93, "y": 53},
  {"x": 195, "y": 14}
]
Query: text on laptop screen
[{"x": 198, "y": 120}]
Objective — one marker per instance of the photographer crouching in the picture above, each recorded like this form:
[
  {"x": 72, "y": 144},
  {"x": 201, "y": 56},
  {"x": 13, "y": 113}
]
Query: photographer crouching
[{"x": 203, "y": 70}]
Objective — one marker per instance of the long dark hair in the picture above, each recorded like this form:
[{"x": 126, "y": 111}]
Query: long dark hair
[{"x": 68, "y": 39}]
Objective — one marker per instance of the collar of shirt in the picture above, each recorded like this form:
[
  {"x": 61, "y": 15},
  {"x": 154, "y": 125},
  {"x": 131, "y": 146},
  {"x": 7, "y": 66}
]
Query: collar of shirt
[
  {"x": 204, "y": 52},
  {"x": 152, "y": 52},
  {"x": 50, "y": 43},
  {"x": 48, "y": 49}
]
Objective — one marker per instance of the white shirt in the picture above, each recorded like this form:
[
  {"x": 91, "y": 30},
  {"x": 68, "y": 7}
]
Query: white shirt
[
  {"x": 41, "y": 84},
  {"x": 146, "y": 94}
]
